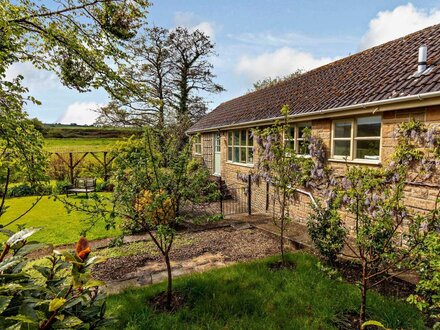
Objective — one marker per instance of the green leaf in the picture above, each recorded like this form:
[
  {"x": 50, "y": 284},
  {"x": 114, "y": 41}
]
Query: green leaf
[
  {"x": 92, "y": 283},
  {"x": 21, "y": 236},
  {"x": 56, "y": 304},
  {"x": 69, "y": 322},
  {"x": 21, "y": 318},
  {"x": 375, "y": 323},
  {"x": 4, "y": 302}
]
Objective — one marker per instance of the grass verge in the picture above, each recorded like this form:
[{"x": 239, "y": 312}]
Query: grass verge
[{"x": 250, "y": 296}]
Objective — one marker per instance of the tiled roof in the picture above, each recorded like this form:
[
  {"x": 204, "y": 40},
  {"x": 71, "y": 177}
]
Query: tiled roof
[{"x": 379, "y": 73}]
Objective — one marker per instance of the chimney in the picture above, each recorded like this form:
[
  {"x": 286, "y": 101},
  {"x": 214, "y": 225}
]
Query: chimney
[{"x": 423, "y": 51}]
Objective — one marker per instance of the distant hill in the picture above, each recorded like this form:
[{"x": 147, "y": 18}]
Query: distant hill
[{"x": 83, "y": 131}]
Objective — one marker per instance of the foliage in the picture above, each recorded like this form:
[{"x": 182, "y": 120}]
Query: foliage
[
  {"x": 326, "y": 230},
  {"x": 267, "y": 82},
  {"x": 281, "y": 167},
  {"x": 374, "y": 199},
  {"x": 149, "y": 190},
  {"x": 175, "y": 71},
  {"x": 250, "y": 296},
  {"x": 60, "y": 302}
]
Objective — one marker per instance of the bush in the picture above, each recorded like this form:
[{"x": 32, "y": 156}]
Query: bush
[
  {"x": 66, "y": 297},
  {"x": 326, "y": 231},
  {"x": 21, "y": 190}
]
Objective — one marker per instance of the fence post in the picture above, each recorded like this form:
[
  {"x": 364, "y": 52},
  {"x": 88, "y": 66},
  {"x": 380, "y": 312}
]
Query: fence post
[
  {"x": 249, "y": 195},
  {"x": 71, "y": 167},
  {"x": 220, "y": 187}
]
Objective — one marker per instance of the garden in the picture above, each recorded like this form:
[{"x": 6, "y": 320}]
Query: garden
[{"x": 128, "y": 255}]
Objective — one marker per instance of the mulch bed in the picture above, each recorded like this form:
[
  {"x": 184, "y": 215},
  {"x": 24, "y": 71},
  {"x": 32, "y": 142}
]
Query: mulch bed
[{"x": 234, "y": 245}]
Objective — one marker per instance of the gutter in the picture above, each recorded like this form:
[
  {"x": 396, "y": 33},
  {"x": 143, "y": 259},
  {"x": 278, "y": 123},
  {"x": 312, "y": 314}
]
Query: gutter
[{"x": 417, "y": 97}]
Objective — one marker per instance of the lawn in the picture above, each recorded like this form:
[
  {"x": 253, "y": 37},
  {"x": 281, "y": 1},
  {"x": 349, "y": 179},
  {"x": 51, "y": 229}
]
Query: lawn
[
  {"x": 59, "y": 227},
  {"x": 250, "y": 296},
  {"x": 80, "y": 144}
]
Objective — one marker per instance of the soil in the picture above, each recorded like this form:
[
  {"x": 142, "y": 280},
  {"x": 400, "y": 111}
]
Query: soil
[
  {"x": 159, "y": 302},
  {"x": 279, "y": 265},
  {"x": 393, "y": 287},
  {"x": 227, "y": 244}
]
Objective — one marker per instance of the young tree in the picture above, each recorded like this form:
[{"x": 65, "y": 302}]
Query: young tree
[
  {"x": 147, "y": 195},
  {"x": 266, "y": 82},
  {"x": 386, "y": 234},
  {"x": 282, "y": 168}
]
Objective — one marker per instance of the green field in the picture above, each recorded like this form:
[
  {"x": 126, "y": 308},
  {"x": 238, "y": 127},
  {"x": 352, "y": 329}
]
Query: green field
[
  {"x": 59, "y": 227},
  {"x": 251, "y": 296},
  {"x": 80, "y": 144}
]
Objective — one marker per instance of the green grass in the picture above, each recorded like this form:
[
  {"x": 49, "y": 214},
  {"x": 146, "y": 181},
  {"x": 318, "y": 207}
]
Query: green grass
[
  {"x": 59, "y": 227},
  {"x": 79, "y": 144},
  {"x": 250, "y": 296}
]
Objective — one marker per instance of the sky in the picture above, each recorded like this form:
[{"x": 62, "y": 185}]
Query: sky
[{"x": 254, "y": 39}]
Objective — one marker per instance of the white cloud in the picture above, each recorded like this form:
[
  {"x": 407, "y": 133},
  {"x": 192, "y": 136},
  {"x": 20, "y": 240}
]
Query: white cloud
[
  {"x": 35, "y": 79},
  {"x": 82, "y": 113},
  {"x": 290, "y": 39},
  {"x": 402, "y": 20},
  {"x": 190, "y": 21},
  {"x": 278, "y": 63}
]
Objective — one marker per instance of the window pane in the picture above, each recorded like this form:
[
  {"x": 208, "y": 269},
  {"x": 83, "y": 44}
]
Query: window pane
[
  {"x": 290, "y": 133},
  {"x": 236, "y": 154},
  {"x": 230, "y": 153},
  {"x": 243, "y": 138},
  {"x": 290, "y": 146},
  {"x": 229, "y": 138},
  {"x": 243, "y": 155},
  {"x": 342, "y": 129},
  {"x": 250, "y": 139},
  {"x": 303, "y": 147},
  {"x": 301, "y": 129},
  {"x": 342, "y": 148},
  {"x": 236, "y": 137},
  {"x": 367, "y": 149},
  {"x": 368, "y": 126},
  {"x": 250, "y": 155}
]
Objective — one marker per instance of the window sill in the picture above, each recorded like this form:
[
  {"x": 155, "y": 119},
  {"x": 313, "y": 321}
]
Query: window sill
[
  {"x": 240, "y": 164},
  {"x": 355, "y": 161}
]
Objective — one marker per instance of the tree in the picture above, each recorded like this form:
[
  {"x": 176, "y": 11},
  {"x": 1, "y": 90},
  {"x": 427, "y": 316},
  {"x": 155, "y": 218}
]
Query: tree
[
  {"x": 387, "y": 235},
  {"x": 174, "y": 74},
  {"x": 282, "y": 168},
  {"x": 268, "y": 81},
  {"x": 148, "y": 195}
]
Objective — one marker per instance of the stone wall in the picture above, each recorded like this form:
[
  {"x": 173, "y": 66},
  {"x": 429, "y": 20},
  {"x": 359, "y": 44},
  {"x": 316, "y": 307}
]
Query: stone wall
[{"x": 419, "y": 197}]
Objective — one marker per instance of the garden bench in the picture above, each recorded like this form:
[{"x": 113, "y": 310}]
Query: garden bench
[{"x": 82, "y": 185}]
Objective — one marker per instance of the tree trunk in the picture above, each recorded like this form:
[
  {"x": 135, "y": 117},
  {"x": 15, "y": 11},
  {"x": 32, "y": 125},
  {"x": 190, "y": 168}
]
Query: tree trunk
[
  {"x": 282, "y": 225},
  {"x": 364, "y": 288},
  {"x": 170, "y": 282}
]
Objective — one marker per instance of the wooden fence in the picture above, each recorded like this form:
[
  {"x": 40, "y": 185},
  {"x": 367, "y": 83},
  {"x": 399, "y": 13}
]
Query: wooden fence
[{"x": 69, "y": 160}]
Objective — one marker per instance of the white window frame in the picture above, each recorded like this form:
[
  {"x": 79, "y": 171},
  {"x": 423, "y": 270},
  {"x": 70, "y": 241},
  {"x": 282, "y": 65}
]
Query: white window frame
[
  {"x": 296, "y": 139},
  {"x": 198, "y": 144},
  {"x": 237, "y": 144},
  {"x": 353, "y": 141}
]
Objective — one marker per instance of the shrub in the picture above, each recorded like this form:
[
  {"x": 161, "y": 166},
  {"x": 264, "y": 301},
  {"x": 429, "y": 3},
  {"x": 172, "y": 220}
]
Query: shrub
[
  {"x": 67, "y": 297},
  {"x": 22, "y": 190}
]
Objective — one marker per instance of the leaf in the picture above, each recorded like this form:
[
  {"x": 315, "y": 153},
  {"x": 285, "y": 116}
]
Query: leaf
[
  {"x": 69, "y": 322},
  {"x": 4, "y": 302},
  {"x": 28, "y": 248},
  {"x": 21, "y": 318},
  {"x": 92, "y": 283},
  {"x": 375, "y": 323},
  {"x": 21, "y": 236},
  {"x": 9, "y": 263},
  {"x": 56, "y": 304}
]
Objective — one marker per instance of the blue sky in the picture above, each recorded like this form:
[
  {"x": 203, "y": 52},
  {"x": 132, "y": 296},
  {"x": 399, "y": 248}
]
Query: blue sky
[{"x": 254, "y": 39}]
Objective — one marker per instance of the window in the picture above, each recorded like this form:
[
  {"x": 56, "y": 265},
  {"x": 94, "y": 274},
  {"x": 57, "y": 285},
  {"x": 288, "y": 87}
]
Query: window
[
  {"x": 295, "y": 138},
  {"x": 198, "y": 144},
  {"x": 357, "y": 138},
  {"x": 240, "y": 146}
]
